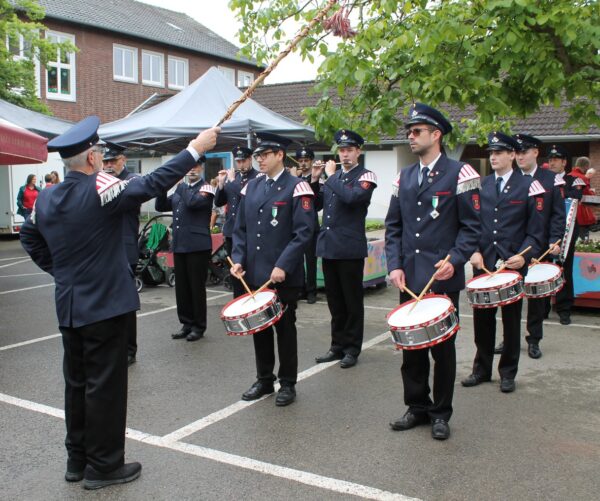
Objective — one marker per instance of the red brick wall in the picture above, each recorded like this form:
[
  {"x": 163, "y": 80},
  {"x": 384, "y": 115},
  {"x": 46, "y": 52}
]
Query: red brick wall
[{"x": 96, "y": 91}]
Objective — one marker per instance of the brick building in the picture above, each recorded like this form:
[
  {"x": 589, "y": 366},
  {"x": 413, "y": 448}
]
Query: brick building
[{"x": 128, "y": 52}]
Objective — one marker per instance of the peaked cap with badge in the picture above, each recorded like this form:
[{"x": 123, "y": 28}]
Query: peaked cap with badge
[
  {"x": 113, "y": 151},
  {"x": 422, "y": 114},
  {"x": 241, "y": 152},
  {"x": 267, "y": 141},
  {"x": 526, "y": 142},
  {"x": 558, "y": 151},
  {"x": 346, "y": 137},
  {"x": 497, "y": 141},
  {"x": 77, "y": 139},
  {"x": 305, "y": 153}
]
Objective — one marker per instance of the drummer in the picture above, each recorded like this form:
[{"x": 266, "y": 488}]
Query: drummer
[
  {"x": 434, "y": 211},
  {"x": 557, "y": 160},
  {"x": 554, "y": 228},
  {"x": 512, "y": 220},
  {"x": 274, "y": 224}
]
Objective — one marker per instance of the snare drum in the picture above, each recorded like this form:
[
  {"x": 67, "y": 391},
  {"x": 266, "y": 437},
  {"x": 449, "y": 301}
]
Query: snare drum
[
  {"x": 432, "y": 321},
  {"x": 543, "y": 279},
  {"x": 246, "y": 315},
  {"x": 491, "y": 291}
]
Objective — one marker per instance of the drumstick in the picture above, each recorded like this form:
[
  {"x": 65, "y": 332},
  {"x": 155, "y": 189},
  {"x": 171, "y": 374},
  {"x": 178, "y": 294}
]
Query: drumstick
[
  {"x": 504, "y": 264},
  {"x": 486, "y": 270},
  {"x": 411, "y": 293},
  {"x": 262, "y": 287},
  {"x": 431, "y": 280},
  {"x": 240, "y": 278},
  {"x": 546, "y": 253}
]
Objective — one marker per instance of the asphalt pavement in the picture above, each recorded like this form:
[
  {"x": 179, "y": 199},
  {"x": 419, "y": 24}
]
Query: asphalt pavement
[{"x": 197, "y": 440}]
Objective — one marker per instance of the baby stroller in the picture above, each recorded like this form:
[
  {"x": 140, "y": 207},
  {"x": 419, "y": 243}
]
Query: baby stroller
[
  {"x": 155, "y": 263},
  {"x": 218, "y": 269}
]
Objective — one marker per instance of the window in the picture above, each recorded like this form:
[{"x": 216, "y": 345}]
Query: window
[
  {"x": 245, "y": 78},
  {"x": 60, "y": 72},
  {"x": 153, "y": 72},
  {"x": 17, "y": 47},
  {"x": 229, "y": 73},
  {"x": 125, "y": 65},
  {"x": 178, "y": 73}
]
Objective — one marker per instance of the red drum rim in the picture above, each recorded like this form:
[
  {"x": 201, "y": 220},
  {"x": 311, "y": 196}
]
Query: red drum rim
[
  {"x": 271, "y": 322},
  {"x": 495, "y": 287},
  {"x": 423, "y": 324},
  {"x": 247, "y": 295},
  {"x": 550, "y": 280},
  {"x": 429, "y": 344}
]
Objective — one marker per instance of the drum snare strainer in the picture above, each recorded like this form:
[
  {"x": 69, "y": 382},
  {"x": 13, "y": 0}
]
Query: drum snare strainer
[
  {"x": 245, "y": 316},
  {"x": 432, "y": 321},
  {"x": 491, "y": 291},
  {"x": 543, "y": 279}
]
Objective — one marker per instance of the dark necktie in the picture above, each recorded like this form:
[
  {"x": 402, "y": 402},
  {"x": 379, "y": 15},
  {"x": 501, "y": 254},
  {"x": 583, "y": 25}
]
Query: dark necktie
[
  {"x": 424, "y": 174},
  {"x": 268, "y": 185},
  {"x": 498, "y": 186},
  {"x": 244, "y": 179}
]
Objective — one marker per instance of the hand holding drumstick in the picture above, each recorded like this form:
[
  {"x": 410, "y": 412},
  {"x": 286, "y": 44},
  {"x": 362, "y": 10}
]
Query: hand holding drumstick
[
  {"x": 431, "y": 280},
  {"x": 238, "y": 272},
  {"x": 551, "y": 250}
]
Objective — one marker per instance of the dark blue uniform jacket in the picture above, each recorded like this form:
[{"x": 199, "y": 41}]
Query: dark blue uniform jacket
[{"x": 230, "y": 195}]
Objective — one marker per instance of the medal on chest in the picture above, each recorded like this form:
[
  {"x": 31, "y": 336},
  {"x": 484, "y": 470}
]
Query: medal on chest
[
  {"x": 434, "y": 203},
  {"x": 274, "y": 221}
]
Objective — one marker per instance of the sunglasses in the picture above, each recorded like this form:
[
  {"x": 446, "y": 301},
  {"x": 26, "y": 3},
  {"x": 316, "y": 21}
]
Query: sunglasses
[
  {"x": 262, "y": 155},
  {"x": 416, "y": 131}
]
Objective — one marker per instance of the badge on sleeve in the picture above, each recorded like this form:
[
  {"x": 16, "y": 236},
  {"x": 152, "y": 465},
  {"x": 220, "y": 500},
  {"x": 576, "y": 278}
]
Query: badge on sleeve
[
  {"x": 306, "y": 203},
  {"x": 475, "y": 200},
  {"x": 365, "y": 185},
  {"x": 539, "y": 203}
]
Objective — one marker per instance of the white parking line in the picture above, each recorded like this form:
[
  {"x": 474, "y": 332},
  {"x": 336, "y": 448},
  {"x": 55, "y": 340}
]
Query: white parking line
[
  {"x": 26, "y": 288},
  {"x": 23, "y": 275},
  {"x": 16, "y": 262},
  {"x": 303, "y": 477},
  {"x": 240, "y": 405},
  {"x": 139, "y": 315},
  {"x": 12, "y": 258}
]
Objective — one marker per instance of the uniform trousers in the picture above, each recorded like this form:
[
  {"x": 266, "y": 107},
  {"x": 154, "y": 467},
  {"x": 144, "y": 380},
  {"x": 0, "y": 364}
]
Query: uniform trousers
[
  {"x": 287, "y": 343},
  {"x": 310, "y": 258},
  {"x": 564, "y": 298},
  {"x": 345, "y": 298},
  {"x": 191, "y": 269},
  {"x": 132, "y": 334},
  {"x": 415, "y": 374},
  {"x": 238, "y": 288},
  {"x": 95, "y": 371},
  {"x": 484, "y": 321}
]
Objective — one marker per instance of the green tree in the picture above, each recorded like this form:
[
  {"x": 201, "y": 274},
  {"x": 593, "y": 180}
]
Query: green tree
[
  {"x": 498, "y": 59},
  {"x": 21, "y": 42}
]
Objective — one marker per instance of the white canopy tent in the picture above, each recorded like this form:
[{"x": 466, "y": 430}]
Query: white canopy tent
[{"x": 170, "y": 124}]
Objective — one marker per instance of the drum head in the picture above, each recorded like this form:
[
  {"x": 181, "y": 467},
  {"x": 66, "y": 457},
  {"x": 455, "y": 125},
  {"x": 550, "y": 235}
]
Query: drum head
[
  {"x": 246, "y": 304},
  {"x": 428, "y": 309},
  {"x": 542, "y": 272},
  {"x": 493, "y": 281}
]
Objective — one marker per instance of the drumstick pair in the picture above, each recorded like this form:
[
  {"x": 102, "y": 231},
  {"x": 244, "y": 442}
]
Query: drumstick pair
[
  {"x": 241, "y": 279},
  {"x": 492, "y": 273},
  {"x": 426, "y": 288}
]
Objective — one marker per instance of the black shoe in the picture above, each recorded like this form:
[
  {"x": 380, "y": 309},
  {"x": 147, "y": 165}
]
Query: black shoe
[
  {"x": 311, "y": 298},
  {"x": 131, "y": 359},
  {"x": 474, "y": 380},
  {"x": 440, "y": 430},
  {"x": 286, "y": 395},
  {"x": 180, "y": 334},
  {"x": 565, "y": 318},
  {"x": 194, "y": 336},
  {"x": 533, "y": 350},
  {"x": 408, "y": 421},
  {"x": 499, "y": 349},
  {"x": 348, "y": 361},
  {"x": 258, "y": 389},
  {"x": 95, "y": 479},
  {"x": 74, "y": 471},
  {"x": 330, "y": 356},
  {"x": 507, "y": 385}
]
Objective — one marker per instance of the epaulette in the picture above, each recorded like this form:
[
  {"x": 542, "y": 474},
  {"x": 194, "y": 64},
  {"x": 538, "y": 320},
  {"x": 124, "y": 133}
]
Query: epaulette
[
  {"x": 396, "y": 185},
  {"x": 207, "y": 188},
  {"x": 468, "y": 179},
  {"x": 108, "y": 187},
  {"x": 303, "y": 189},
  {"x": 559, "y": 181},
  {"x": 578, "y": 182},
  {"x": 536, "y": 189},
  {"x": 369, "y": 177}
]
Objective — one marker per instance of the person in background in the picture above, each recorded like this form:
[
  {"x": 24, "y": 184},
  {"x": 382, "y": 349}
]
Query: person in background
[
  {"x": 585, "y": 215},
  {"x": 48, "y": 178},
  {"x": 27, "y": 196},
  {"x": 217, "y": 218},
  {"x": 55, "y": 178},
  {"x": 114, "y": 163}
]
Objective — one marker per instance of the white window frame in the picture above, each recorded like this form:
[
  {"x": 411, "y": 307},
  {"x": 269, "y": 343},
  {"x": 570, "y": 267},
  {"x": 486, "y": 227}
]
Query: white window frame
[
  {"x": 186, "y": 72},
  {"x": 242, "y": 75},
  {"x": 134, "y": 51},
  {"x": 72, "y": 97},
  {"x": 228, "y": 73},
  {"x": 153, "y": 83},
  {"x": 21, "y": 55}
]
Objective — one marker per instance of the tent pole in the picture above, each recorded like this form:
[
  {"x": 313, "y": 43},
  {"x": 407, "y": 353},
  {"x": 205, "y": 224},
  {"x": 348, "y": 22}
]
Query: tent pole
[{"x": 249, "y": 139}]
